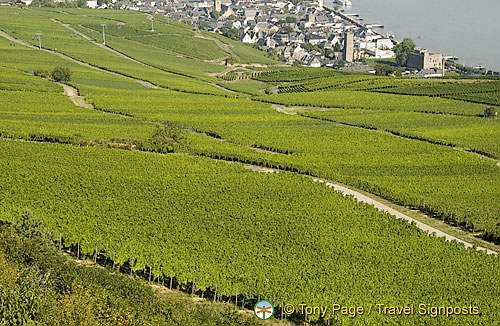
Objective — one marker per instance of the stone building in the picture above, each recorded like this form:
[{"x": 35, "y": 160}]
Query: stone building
[
  {"x": 423, "y": 59},
  {"x": 349, "y": 46}
]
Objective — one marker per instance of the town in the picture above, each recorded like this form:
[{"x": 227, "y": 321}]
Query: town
[
  {"x": 302, "y": 33},
  {"x": 299, "y": 33}
]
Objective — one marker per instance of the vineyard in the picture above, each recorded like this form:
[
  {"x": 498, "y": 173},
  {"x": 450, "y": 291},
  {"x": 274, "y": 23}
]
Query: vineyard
[
  {"x": 320, "y": 84},
  {"x": 80, "y": 49},
  {"x": 325, "y": 154},
  {"x": 150, "y": 174},
  {"x": 374, "y": 100},
  {"x": 294, "y": 74},
  {"x": 480, "y": 136},
  {"x": 44, "y": 112},
  {"x": 482, "y": 92},
  {"x": 183, "y": 220}
]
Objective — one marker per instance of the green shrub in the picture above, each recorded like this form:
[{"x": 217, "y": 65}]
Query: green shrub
[
  {"x": 41, "y": 73},
  {"x": 61, "y": 74}
]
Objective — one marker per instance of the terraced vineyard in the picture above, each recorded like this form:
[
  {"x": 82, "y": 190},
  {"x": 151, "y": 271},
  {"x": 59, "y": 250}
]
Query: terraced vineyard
[
  {"x": 470, "y": 133},
  {"x": 77, "y": 47},
  {"x": 373, "y": 100},
  {"x": 448, "y": 89},
  {"x": 183, "y": 221},
  {"x": 320, "y": 84},
  {"x": 189, "y": 211},
  {"x": 294, "y": 74},
  {"x": 42, "y": 111}
]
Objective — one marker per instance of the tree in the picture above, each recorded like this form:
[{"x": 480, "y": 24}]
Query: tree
[
  {"x": 288, "y": 29},
  {"x": 490, "y": 112},
  {"x": 61, "y": 74},
  {"x": 82, "y": 4},
  {"x": 383, "y": 70},
  {"x": 402, "y": 49},
  {"x": 41, "y": 73},
  {"x": 215, "y": 14},
  {"x": 232, "y": 33}
]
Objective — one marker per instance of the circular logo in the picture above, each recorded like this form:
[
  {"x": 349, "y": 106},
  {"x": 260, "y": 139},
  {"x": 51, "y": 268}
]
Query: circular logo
[{"x": 263, "y": 310}]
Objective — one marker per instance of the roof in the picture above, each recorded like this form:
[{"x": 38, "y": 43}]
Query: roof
[{"x": 359, "y": 68}]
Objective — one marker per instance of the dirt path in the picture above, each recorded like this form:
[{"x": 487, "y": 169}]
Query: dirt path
[
  {"x": 218, "y": 42},
  {"x": 10, "y": 38},
  {"x": 222, "y": 88},
  {"x": 77, "y": 99},
  {"x": 381, "y": 207},
  {"x": 281, "y": 108},
  {"x": 260, "y": 169}
]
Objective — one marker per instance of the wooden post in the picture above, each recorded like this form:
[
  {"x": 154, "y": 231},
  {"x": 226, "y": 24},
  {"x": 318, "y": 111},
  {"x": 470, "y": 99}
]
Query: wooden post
[
  {"x": 95, "y": 255},
  {"x": 192, "y": 290},
  {"x": 281, "y": 310},
  {"x": 236, "y": 297},
  {"x": 171, "y": 277},
  {"x": 60, "y": 242},
  {"x": 150, "y": 273},
  {"x": 215, "y": 295},
  {"x": 131, "y": 265},
  {"x": 78, "y": 250}
]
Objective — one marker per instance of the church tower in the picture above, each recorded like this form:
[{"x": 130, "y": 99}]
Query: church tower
[{"x": 217, "y": 5}]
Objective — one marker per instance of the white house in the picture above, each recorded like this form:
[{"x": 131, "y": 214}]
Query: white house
[
  {"x": 311, "y": 61},
  {"x": 298, "y": 53},
  {"x": 236, "y": 24},
  {"x": 92, "y": 4},
  {"x": 383, "y": 54},
  {"x": 384, "y": 43},
  {"x": 249, "y": 38}
]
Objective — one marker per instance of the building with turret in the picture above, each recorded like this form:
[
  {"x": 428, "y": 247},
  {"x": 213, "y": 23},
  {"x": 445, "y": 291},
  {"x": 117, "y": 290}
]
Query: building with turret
[
  {"x": 217, "y": 5},
  {"x": 423, "y": 59},
  {"x": 349, "y": 46}
]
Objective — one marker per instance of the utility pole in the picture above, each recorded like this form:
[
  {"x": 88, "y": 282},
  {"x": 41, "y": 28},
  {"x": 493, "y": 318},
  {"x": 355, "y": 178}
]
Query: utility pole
[
  {"x": 103, "y": 34},
  {"x": 39, "y": 34},
  {"x": 152, "y": 24}
]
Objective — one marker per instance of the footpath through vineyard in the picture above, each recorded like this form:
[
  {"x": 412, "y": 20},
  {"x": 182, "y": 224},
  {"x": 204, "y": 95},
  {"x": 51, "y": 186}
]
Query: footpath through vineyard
[{"x": 381, "y": 207}]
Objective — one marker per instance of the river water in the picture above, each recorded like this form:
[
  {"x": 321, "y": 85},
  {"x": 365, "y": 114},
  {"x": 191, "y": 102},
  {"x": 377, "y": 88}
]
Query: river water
[{"x": 467, "y": 29}]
